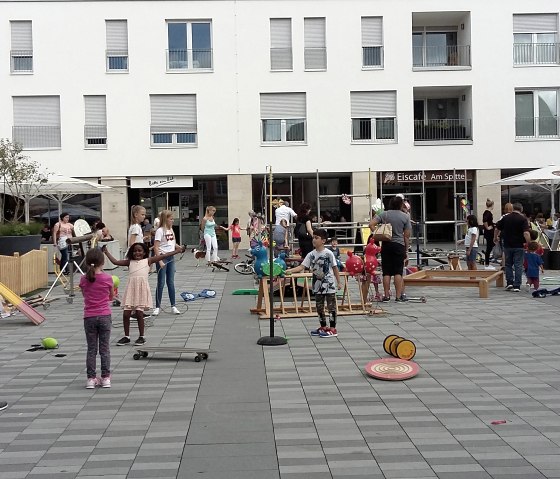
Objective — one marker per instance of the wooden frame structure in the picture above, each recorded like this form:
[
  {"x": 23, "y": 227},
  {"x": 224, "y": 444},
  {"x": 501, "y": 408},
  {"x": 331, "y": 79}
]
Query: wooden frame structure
[
  {"x": 290, "y": 306},
  {"x": 480, "y": 279}
]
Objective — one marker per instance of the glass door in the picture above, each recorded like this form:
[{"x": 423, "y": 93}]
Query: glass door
[{"x": 191, "y": 214}]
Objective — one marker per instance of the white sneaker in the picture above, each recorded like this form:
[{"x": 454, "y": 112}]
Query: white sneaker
[
  {"x": 174, "y": 310},
  {"x": 106, "y": 382},
  {"x": 155, "y": 312},
  {"x": 91, "y": 383},
  {"x": 490, "y": 268}
]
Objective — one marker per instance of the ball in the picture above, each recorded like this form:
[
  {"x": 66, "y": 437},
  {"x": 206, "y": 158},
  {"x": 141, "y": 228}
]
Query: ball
[
  {"x": 49, "y": 343},
  {"x": 116, "y": 281}
]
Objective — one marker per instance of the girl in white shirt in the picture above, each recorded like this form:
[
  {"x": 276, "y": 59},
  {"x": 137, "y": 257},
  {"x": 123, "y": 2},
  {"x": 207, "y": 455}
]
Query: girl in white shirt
[
  {"x": 137, "y": 215},
  {"x": 471, "y": 241}
]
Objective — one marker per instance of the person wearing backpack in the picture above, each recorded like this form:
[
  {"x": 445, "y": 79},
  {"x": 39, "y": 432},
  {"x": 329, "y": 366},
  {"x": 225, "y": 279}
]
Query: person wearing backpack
[{"x": 303, "y": 230}]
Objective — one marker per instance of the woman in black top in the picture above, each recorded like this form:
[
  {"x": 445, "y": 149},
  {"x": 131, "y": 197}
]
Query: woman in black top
[
  {"x": 303, "y": 230},
  {"x": 488, "y": 230}
]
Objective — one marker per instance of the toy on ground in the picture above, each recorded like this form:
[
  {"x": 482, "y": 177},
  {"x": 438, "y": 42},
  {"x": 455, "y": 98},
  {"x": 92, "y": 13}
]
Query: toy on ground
[
  {"x": 221, "y": 265},
  {"x": 143, "y": 351},
  {"x": 391, "y": 369},
  {"x": 21, "y": 305},
  {"x": 49, "y": 343},
  {"x": 399, "y": 347},
  {"x": 543, "y": 292}
]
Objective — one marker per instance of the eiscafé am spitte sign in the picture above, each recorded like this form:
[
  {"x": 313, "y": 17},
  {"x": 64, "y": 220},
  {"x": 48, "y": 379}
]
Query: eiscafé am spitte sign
[{"x": 425, "y": 176}]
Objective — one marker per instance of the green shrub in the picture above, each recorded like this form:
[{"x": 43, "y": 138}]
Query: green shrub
[{"x": 20, "y": 229}]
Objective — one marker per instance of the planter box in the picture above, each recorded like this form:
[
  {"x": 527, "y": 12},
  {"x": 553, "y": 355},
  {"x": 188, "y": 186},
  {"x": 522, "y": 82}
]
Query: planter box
[
  {"x": 26, "y": 273},
  {"x": 19, "y": 244}
]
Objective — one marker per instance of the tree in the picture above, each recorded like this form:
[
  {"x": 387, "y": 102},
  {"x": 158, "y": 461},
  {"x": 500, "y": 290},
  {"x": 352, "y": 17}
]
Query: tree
[{"x": 21, "y": 178}]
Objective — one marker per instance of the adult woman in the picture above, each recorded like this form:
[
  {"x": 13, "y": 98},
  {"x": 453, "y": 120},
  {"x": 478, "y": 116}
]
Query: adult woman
[
  {"x": 208, "y": 227},
  {"x": 303, "y": 230},
  {"x": 62, "y": 230},
  {"x": 164, "y": 242},
  {"x": 394, "y": 252},
  {"x": 488, "y": 230}
]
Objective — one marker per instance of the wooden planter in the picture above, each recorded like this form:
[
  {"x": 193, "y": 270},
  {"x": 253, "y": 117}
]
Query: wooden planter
[{"x": 26, "y": 273}]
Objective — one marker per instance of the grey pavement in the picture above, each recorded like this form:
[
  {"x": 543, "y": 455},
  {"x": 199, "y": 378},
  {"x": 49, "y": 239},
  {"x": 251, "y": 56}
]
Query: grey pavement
[{"x": 303, "y": 410}]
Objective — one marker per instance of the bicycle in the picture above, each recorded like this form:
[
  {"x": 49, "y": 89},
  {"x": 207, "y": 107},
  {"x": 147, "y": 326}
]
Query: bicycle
[{"x": 246, "y": 267}]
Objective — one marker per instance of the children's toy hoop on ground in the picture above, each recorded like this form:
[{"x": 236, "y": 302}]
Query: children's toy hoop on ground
[{"x": 391, "y": 369}]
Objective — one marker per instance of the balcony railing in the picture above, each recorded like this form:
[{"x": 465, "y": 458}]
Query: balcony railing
[
  {"x": 315, "y": 58},
  {"x": 162, "y": 135},
  {"x": 95, "y": 136},
  {"x": 538, "y": 127},
  {"x": 442, "y": 130},
  {"x": 536, "y": 53},
  {"x": 36, "y": 137},
  {"x": 21, "y": 61},
  {"x": 372, "y": 57},
  {"x": 192, "y": 59},
  {"x": 281, "y": 59},
  {"x": 117, "y": 60},
  {"x": 441, "y": 56}
]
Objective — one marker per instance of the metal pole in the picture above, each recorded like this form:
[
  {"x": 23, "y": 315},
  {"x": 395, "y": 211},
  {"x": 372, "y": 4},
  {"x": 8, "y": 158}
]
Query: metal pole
[{"x": 318, "y": 196}]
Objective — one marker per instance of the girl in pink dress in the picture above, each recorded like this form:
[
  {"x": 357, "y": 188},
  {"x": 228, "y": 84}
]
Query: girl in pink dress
[{"x": 137, "y": 295}]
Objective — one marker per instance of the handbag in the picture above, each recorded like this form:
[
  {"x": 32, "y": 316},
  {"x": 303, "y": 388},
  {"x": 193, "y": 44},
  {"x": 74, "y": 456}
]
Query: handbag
[{"x": 383, "y": 232}]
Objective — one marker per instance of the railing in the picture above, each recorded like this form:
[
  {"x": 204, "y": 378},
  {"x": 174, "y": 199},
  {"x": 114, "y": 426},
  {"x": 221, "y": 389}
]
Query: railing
[
  {"x": 537, "y": 127},
  {"x": 315, "y": 58},
  {"x": 36, "y": 137},
  {"x": 372, "y": 57},
  {"x": 374, "y": 130},
  {"x": 173, "y": 135},
  {"x": 441, "y": 56},
  {"x": 21, "y": 61},
  {"x": 117, "y": 60},
  {"x": 95, "y": 136},
  {"x": 191, "y": 59},
  {"x": 281, "y": 59},
  {"x": 536, "y": 53},
  {"x": 442, "y": 130}
]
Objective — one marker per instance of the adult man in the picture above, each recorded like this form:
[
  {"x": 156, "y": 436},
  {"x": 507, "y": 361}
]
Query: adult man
[
  {"x": 284, "y": 212},
  {"x": 514, "y": 230}
]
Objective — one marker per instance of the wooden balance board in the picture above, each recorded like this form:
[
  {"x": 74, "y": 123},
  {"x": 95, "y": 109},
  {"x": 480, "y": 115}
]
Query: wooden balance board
[
  {"x": 200, "y": 353},
  {"x": 21, "y": 305},
  {"x": 391, "y": 369}
]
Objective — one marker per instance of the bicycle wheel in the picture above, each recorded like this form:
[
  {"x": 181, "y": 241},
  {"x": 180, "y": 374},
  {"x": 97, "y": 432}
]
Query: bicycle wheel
[{"x": 244, "y": 268}]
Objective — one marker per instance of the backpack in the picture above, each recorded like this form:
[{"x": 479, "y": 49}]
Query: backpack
[{"x": 301, "y": 231}]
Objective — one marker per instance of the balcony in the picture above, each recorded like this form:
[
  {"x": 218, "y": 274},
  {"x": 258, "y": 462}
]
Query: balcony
[
  {"x": 372, "y": 57},
  {"x": 189, "y": 59},
  {"x": 95, "y": 136},
  {"x": 442, "y": 130},
  {"x": 536, "y": 53},
  {"x": 37, "y": 137},
  {"x": 441, "y": 56},
  {"x": 544, "y": 127},
  {"x": 21, "y": 61},
  {"x": 117, "y": 61},
  {"x": 315, "y": 58},
  {"x": 281, "y": 59}
]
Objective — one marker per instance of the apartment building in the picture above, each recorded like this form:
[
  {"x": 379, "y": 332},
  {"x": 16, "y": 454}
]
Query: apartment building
[{"x": 182, "y": 104}]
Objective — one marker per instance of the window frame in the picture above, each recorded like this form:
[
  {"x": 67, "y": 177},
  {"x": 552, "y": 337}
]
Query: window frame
[
  {"x": 190, "y": 61},
  {"x": 374, "y": 140},
  {"x": 536, "y": 125},
  {"x": 283, "y": 141},
  {"x": 18, "y": 53}
]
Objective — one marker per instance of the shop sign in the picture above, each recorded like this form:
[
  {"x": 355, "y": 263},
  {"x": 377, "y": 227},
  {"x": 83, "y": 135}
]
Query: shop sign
[
  {"x": 161, "y": 182},
  {"x": 389, "y": 177}
]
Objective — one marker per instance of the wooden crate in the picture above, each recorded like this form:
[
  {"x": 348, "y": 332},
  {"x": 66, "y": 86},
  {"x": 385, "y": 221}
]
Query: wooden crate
[{"x": 26, "y": 273}]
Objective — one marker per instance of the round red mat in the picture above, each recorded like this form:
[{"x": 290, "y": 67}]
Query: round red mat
[{"x": 392, "y": 369}]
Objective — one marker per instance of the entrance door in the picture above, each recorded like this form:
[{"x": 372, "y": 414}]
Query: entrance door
[{"x": 191, "y": 213}]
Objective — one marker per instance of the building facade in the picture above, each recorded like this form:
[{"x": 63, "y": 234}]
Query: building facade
[{"x": 181, "y": 104}]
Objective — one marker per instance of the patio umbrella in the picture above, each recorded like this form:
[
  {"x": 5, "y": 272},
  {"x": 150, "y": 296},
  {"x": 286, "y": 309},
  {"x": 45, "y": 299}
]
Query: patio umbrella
[{"x": 547, "y": 178}]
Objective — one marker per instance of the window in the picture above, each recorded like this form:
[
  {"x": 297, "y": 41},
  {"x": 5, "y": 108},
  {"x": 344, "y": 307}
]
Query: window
[
  {"x": 435, "y": 47},
  {"x": 95, "y": 127},
  {"x": 372, "y": 42},
  {"x": 21, "y": 54},
  {"x": 373, "y": 116},
  {"x": 117, "y": 45},
  {"x": 536, "y": 114},
  {"x": 535, "y": 39},
  {"x": 283, "y": 118},
  {"x": 315, "y": 52},
  {"x": 189, "y": 45},
  {"x": 37, "y": 122},
  {"x": 281, "y": 44},
  {"x": 173, "y": 120}
]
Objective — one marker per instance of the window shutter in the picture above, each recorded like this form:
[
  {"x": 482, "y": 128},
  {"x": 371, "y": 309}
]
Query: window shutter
[
  {"x": 535, "y": 23},
  {"x": 173, "y": 113},
  {"x": 117, "y": 35},
  {"x": 282, "y": 106},
  {"x": 372, "y": 31},
  {"x": 314, "y": 32},
  {"x": 373, "y": 104},
  {"x": 95, "y": 110},
  {"x": 281, "y": 43},
  {"x": 22, "y": 36},
  {"x": 36, "y": 111}
]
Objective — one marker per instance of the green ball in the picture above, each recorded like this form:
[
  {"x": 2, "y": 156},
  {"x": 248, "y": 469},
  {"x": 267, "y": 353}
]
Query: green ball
[
  {"x": 50, "y": 343},
  {"x": 116, "y": 281}
]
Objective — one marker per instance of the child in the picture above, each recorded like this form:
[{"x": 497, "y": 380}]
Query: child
[
  {"x": 471, "y": 241},
  {"x": 333, "y": 246},
  {"x": 137, "y": 215},
  {"x": 137, "y": 296},
  {"x": 235, "y": 237},
  {"x": 97, "y": 288},
  {"x": 322, "y": 264},
  {"x": 280, "y": 235},
  {"x": 534, "y": 264}
]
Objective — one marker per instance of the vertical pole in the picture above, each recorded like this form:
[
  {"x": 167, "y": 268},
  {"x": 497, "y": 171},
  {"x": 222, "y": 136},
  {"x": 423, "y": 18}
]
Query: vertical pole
[
  {"x": 318, "y": 196},
  {"x": 270, "y": 255}
]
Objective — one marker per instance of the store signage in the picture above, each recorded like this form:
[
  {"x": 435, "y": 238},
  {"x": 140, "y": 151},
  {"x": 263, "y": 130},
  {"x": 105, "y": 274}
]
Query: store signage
[
  {"x": 426, "y": 176},
  {"x": 161, "y": 182}
]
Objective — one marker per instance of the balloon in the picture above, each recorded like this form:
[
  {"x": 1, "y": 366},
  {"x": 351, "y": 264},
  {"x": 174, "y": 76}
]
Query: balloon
[
  {"x": 354, "y": 264},
  {"x": 116, "y": 281}
]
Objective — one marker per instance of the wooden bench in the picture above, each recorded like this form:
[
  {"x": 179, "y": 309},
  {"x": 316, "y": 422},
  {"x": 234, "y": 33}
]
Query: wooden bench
[{"x": 476, "y": 279}]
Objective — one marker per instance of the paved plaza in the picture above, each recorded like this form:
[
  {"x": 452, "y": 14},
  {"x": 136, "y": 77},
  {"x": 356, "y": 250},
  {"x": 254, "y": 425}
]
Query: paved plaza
[{"x": 303, "y": 410}]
